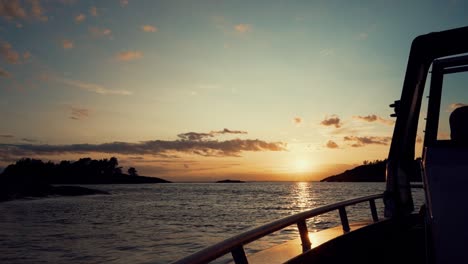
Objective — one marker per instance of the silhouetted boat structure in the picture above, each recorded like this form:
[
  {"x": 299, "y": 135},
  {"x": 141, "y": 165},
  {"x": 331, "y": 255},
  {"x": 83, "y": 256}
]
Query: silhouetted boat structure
[{"x": 438, "y": 233}]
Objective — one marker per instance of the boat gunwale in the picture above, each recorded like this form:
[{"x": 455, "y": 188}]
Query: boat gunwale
[{"x": 237, "y": 242}]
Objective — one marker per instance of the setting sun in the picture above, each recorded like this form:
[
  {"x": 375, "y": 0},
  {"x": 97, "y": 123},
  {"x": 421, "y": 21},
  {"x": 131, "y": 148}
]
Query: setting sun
[{"x": 301, "y": 165}]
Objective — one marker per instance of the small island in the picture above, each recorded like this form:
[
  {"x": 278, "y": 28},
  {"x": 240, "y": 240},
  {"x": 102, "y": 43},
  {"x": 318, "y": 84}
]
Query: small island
[
  {"x": 35, "y": 178},
  {"x": 230, "y": 181}
]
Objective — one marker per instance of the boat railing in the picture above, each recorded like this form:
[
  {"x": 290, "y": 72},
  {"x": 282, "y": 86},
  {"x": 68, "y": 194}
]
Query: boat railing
[{"x": 235, "y": 244}]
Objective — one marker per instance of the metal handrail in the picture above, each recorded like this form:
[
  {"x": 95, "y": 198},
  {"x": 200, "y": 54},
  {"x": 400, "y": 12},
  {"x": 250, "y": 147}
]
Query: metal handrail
[{"x": 235, "y": 244}]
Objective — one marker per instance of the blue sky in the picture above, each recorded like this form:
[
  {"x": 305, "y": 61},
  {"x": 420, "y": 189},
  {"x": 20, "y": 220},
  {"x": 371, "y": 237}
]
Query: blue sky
[{"x": 313, "y": 77}]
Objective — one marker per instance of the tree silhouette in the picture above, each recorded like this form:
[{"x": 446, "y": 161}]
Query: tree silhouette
[
  {"x": 132, "y": 171},
  {"x": 85, "y": 170}
]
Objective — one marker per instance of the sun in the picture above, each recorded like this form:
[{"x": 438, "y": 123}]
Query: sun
[{"x": 301, "y": 165}]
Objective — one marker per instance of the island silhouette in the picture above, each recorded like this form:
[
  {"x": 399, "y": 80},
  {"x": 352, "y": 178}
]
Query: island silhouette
[
  {"x": 34, "y": 178},
  {"x": 369, "y": 171}
]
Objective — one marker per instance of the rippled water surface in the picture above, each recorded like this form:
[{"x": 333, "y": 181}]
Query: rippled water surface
[{"x": 158, "y": 223}]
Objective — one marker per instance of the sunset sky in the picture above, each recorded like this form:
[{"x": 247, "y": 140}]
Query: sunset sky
[{"x": 208, "y": 90}]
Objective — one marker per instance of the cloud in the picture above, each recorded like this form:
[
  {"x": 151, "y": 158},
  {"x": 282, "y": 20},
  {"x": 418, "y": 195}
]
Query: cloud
[
  {"x": 362, "y": 141},
  {"x": 14, "y": 9},
  {"x": 4, "y": 73},
  {"x": 37, "y": 10},
  {"x": 93, "y": 11},
  {"x": 331, "y": 144},
  {"x": 29, "y": 140},
  {"x": 327, "y": 52},
  {"x": 297, "y": 120},
  {"x": 332, "y": 121},
  {"x": 8, "y": 53},
  {"x": 26, "y": 55},
  {"x": 419, "y": 139},
  {"x": 123, "y": 3},
  {"x": 100, "y": 32},
  {"x": 67, "y": 44},
  {"x": 207, "y": 148},
  {"x": 79, "y": 113},
  {"x": 362, "y": 36},
  {"x": 243, "y": 28},
  {"x": 375, "y": 118},
  {"x": 11, "y": 9},
  {"x": 455, "y": 106},
  {"x": 6, "y": 136},
  {"x": 369, "y": 118},
  {"x": 95, "y": 88},
  {"x": 149, "y": 28},
  {"x": 228, "y": 131},
  {"x": 80, "y": 18},
  {"x": 129, "y": 55},
  {"x": 194, "y": 136}
]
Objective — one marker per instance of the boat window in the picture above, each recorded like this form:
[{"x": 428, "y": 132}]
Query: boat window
[{"x": 454, "y": 95}]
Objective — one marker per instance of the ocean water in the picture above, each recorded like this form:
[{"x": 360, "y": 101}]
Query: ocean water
[{"x": 159, "y": 223}]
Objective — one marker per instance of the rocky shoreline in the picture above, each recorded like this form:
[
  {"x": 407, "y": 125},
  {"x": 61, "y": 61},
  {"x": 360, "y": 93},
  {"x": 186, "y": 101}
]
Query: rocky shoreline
[{"x": 13, "y": 191}]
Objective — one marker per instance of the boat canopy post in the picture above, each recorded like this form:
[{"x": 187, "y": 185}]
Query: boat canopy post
[{"x": 424, "y": 49}]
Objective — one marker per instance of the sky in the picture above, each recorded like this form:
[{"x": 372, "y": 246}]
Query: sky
[{"x": 208, "y": 90}]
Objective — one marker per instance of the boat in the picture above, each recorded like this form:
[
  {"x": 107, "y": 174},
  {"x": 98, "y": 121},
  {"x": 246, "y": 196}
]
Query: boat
[{"x": 436, "y": 232}]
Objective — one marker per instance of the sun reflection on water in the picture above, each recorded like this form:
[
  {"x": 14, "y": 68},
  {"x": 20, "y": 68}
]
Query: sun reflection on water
[{"x": 306, "y": 198}]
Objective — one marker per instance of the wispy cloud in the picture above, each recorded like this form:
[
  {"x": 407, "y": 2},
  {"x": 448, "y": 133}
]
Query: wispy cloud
[
  {"x": 243, "y": 28},
  {"x": 297, "y": 120},
  {"x": 375, "y": 118},
  {"x": 93, "y": 11},
  {"x": 419, "y": 139},
  {"x": 129, "y": 55},
  {"x": 67, "y": 44},
  {"x": 327, "y": 52},
  {"x": 78, "y": 113},
  {"x": 455, "y": 106},
  {"x": 11, "y": 9},
  {"x": 8, "y": 53},
  {"x": 195, "y": 136},
  {"x": 362, "y": 36},
  {"x": 37, "y": 11},
  {"x": 26, "y": 55},
  {"x": 123, "y": 3},
  {"x": 333, "y": 120},
  {"x": 369, "y": 140},
  {"x": 331, "y": 144},
  {"x": 100, "y": 32},
  {"x": 228, "y": 131},
  {"x": 149, "y": 28},
  {"x": 80, "y": 18},
  {"x": 95, "y": 88},
  {"x": 4, "y": 73},
  {"x": 14, "y": 9},
  {"x": 7, "y": 136},
  {"x": 29, "y": 140},
  {"x": 211, "y": 148}
]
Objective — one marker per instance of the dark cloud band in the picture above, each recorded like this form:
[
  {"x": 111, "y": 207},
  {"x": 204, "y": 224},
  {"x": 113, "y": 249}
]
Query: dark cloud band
[{"x": 155, "y": 147}]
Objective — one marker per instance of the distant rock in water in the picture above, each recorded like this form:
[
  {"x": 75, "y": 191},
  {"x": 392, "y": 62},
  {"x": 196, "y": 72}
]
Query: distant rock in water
[
  {"x": 230, "y": 181},
  {"x": 369, "y": 172}
]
